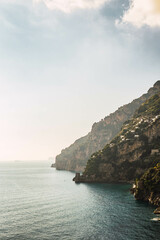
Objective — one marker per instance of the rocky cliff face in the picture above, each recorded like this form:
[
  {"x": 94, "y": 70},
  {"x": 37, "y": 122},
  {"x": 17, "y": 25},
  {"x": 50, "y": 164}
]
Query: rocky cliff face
[
  {"x": 147, "y": 188},
  {"x": 132, "y": 151},
  {"x": 74, "y": 158}
]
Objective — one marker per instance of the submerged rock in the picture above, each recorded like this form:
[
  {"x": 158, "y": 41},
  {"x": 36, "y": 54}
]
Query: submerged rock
[{"x": 156, "y": 219}]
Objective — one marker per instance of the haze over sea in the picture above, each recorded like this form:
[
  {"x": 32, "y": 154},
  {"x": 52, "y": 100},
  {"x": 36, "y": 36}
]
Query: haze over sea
[{"x": 40, "y": 203}]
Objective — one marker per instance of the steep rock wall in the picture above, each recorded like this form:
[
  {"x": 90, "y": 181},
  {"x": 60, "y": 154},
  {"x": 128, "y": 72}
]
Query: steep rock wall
[{"x": 74, "y": 158}]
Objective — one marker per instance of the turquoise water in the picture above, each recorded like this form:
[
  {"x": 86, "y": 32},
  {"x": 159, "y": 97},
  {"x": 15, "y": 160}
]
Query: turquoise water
[{"x": 40, "y": 203}]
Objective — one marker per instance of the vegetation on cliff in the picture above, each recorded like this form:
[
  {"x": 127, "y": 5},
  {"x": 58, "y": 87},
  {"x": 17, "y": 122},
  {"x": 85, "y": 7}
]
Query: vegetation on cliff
[
  {"x": 132, "y": 151},
  {"x": 74, "y": 158},
  {"x": 148, "y": 187}
]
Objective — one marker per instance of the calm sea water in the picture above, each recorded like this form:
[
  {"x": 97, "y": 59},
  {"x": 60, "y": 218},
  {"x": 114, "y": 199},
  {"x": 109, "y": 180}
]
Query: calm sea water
[{"x": 40, "y": 203}]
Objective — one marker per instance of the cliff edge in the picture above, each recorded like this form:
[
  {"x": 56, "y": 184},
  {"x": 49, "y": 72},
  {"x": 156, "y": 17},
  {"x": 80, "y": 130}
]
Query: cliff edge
[
  {"x": 74, "y": 158},
  {"x": 135, "y": 149}
]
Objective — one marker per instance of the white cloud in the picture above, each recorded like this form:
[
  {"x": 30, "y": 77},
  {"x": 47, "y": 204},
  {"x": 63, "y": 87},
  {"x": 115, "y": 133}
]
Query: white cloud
[
  {"x": 143, "y": 12},
  {"x": 68, "y": 6}
]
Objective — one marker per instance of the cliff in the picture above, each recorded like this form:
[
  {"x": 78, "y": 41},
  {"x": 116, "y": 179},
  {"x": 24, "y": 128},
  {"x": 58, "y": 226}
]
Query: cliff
[
  {"x": 74, "y": 158},
  {"x": 148, "y": 187},
  {"x": 132, "y": 151}
]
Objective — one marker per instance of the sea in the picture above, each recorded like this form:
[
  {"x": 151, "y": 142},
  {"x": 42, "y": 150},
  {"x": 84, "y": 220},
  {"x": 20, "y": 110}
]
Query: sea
[{"x": 38, "y": 202}]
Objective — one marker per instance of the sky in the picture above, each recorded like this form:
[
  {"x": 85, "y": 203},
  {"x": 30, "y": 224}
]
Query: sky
[{"x": 66, "y": 64}]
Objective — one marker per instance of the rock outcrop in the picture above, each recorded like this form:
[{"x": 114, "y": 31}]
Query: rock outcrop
[
  {"x": 148, "y": 187},
  {"x": 157, "y": 211},
  {"x": 132, "y": 151},
  {"x": 53, "y": 165},
  {"x": 74, "y": 158}
]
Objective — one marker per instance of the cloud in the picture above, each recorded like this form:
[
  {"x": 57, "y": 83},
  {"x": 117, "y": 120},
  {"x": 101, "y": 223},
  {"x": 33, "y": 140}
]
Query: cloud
[
  {"x": 68, "y": 6},
  {"x": 143, "y": 12}
]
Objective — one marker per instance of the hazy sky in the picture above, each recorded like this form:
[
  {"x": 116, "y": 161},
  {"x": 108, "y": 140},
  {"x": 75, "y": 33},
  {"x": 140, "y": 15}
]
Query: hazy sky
[{"x": 66, "y": 64}]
